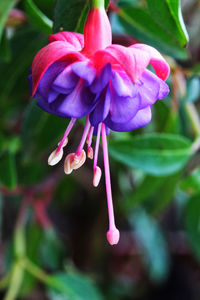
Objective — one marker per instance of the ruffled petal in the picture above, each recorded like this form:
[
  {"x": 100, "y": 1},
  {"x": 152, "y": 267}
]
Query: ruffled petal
[
  {"x": 48, "y": 78},
  {"x": 133, "y": 61},
  {"x": 101, "y": 110},
  {"x": 48, "y": 55},
  {"x": 102, "y": 79},
  {"x": 78, "y": 103},
  {"x": 142, "y": 118},
  {"x": 73, "y": 38},
  {"x": 123, "y": 109},
  {"x": 157, "y": 61},
  {"x": 65, "y": 82},
  {"x": 122, "y": 84},
  {"x": 84, "y": 70}
]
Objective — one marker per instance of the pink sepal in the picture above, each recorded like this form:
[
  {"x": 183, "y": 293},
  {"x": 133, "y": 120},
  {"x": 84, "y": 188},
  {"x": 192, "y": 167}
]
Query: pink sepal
[
  {"x": 48, "y": 55},
  {"x": 157, "y": 61},
  {"x": 73, "y": 38},
  {"x": 133, "y": 61},
  {"x": 97, "y": 31}
]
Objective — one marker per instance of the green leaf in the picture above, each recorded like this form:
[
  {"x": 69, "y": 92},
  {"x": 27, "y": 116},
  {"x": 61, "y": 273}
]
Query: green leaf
[
  {"x": 73, "y": 286},
  {"x": 193, "y": 89},
  {"x": 5, "y": 8},
  {"x": 145, "y": 190},
  {"x": 192, "y": 223},
  {"x": 37, "y": 18},
  {"x": 5, "y": 51},
  {"x": 69, "y": 15},
  {"x": 152, "y": 244},
  {"x": 1, "y": 215},
  {"x": 8, "y": 172},
  {"x": 167, "y": 14},
  {"x": 155, "y": 154},
  {"x": 51, "y": 249},
  {"x": 141, "y": 25},
  {"x": 190, "y": 184}
]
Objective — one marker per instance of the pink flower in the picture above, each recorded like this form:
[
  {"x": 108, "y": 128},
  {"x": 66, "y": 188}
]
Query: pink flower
[{"x": 79, "y": 75}]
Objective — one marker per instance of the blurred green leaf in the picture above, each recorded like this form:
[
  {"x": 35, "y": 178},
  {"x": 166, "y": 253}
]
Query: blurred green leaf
[
  {"x": 192, "y": 223},
  {"x": 12, "y": 94},
  {"x": 5, "y": 8},
  {"x": 69, "y": 15},
  {"x": 75, "y": 287},
  {"x": 168, "y": 15},
  {"x": 51, "y": 249},
  {"x": 155, "y": 154},
  {"x": 152, "y": 244},
  {"x": 193, "y": 89},
  {"x": 8, "y": 172},
  {"x": 141, "y": 25},
  {"x": 41, "y": 130},
  {"x": 33, "y": 241},
  {"x": 5, "y": 51},
  {"x": 147, "y": 187},
  {"x": 37, "y": 18},
  {"x": 1, "y": 215},
  {"x": 190, "y": 184},
  {"x": 164, "y": 194}
]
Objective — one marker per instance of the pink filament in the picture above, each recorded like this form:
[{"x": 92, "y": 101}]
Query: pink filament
[
  {"x": 84, "y": 136},
  {"x": 97, "y": 146},
  {"x": 90, "y": 135},
  {"x": 67, "y": 131},
  {"x": 113, "y": 233}
]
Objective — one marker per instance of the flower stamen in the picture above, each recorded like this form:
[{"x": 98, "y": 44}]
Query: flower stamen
[
  {"x": 96, "y": 169},
  {"x": 89, "y": 142}
]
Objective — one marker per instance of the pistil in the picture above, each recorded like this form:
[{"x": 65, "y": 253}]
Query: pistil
[{"x": 113, "y": 232}]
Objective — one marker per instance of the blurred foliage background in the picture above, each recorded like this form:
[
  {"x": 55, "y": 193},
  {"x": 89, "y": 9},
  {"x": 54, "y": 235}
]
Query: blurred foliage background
[{"x": 52, "y": 226}]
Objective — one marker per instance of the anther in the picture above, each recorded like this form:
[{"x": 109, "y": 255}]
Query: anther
[
  {"x": 90, "y": 153},
  {"x": 55, "y": 157},
  {"x": 96, "y": 176}
]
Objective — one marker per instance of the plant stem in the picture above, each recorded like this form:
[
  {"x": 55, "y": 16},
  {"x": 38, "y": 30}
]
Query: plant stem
[
  {"x": 16, "y": 279},
  {"x": 194, "y": 118},
  {"x": 96, "y": 3}
]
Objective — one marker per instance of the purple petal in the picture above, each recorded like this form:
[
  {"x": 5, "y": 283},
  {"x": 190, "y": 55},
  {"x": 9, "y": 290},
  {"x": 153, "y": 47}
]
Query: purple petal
[
  {"x": 151, "y": 88},
  {"x": 142, "y": 118},
  {"x": 123, "y": 109},
  {"x": 52, "y": 95},
  {"x": 123, "y": 85},
  {"x": 101, "y": 110},
  {"x": 48, "y": 78},
  {"x": 66, "y": 81},
  {"x": 78, "y": 103},
  {"x": 84, "y": 70},
  {"x": 102, "y": 79}
]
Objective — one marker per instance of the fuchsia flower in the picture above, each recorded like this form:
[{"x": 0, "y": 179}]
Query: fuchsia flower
[{"x": 77, "y": 76}]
